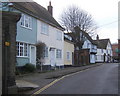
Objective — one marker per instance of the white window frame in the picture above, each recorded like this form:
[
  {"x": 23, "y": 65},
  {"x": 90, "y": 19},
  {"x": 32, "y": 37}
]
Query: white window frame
[
  {"x": 44, "y": 28},
  {"x": 58, "y": 53},
  {"x": 46, "y": 52},
  {"x": 21, "y": 45},
  {"x": 26, "y": 20}
]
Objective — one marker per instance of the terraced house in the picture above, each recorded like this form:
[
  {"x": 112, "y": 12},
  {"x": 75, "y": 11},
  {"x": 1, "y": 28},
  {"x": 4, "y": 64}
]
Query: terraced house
[
  {"x": 104, "y": 50},
  {"x": 50, "y": 33},
  {"x": 26, "y": 33},
  {"x": 37, "y": 25}
]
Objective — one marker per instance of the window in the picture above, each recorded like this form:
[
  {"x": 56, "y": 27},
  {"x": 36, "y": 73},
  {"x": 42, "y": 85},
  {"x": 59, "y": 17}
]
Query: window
[
  {"x": 68, "y": 55},
  {"x": 26, "y": 21},
  {"x": 22, "y": 49},
  {"x": 58, "y": 53},
  {"x": 102, "y": 50},
  {"x": 107, "y": 51},
  {"x": 59, "y": 35},
  {"x": 88, "y": 45},
  {"x": 46, "y": 52},
  {"x": 44, "y": 28}
]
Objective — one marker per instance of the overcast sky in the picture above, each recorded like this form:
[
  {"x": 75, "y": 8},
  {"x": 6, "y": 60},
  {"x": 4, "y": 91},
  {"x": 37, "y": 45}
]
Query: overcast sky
[{"x": 104, "y": 12}]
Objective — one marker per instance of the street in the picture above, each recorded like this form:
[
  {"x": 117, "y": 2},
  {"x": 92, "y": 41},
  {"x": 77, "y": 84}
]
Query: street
[{"x": 97, "y": 80}]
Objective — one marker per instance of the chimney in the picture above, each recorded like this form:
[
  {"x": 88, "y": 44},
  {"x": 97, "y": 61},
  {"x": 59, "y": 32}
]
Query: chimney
[
  {"x": 97, "y": 37},
  {"x": 50, "y": 8}
]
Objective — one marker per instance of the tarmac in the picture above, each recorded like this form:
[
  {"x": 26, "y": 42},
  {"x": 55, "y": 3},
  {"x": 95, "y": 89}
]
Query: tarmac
[{"x": 30, "y": 83}]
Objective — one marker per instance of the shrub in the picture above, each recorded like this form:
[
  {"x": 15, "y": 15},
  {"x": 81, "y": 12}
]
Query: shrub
[{"x": 29, "y": 67}]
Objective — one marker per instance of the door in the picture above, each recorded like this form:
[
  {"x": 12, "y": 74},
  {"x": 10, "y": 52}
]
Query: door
[
  {"x": 72, "y": 58},
  {"x": 33, "y": 55},
  {"x": 52, "y": 57}
]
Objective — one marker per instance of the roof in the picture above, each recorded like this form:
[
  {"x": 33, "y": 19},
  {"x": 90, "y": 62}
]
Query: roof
[
  {"x": 102, "y": 43},
  {"x": 89, "y": 38},
  {"x": 86, "y": 35},
  {"x": 37, "y": 11},
  {"x": 67, "y": 40}
]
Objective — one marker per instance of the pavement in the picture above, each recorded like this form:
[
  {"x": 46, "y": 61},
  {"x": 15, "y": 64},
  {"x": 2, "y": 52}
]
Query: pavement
[{"x": 30, "y": 83}]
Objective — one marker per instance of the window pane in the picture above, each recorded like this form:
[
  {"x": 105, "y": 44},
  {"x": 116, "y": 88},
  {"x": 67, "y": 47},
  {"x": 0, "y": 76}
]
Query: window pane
[
  {"x": 21, "y": 51},
  {"x": 30, "y": 22},
  {"x": 44, "y": 28},
  {"x": 46, "y": 52},
  {"x": 22, "y": 20},
  {"x": 25, "y": 49},
  {"x": 58, "y": 53},
  {"x": 26, "y": 21}
]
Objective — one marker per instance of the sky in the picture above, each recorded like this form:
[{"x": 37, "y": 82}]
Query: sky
[{"x": 104, "y": 13}]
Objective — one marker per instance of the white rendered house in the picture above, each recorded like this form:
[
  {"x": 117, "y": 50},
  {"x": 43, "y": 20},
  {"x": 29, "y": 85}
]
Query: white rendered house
[
  {"x": 51, "y": 33},
  {"x": 104, "y": 50}
]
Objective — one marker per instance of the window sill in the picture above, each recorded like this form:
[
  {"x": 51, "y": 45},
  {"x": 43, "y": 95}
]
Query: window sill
[
  {"x": 58, "y": 58},
  {"x": 44, "y": 34},
  {"x": 26, "y": 27},
  {"x": 22, "y": 56}
]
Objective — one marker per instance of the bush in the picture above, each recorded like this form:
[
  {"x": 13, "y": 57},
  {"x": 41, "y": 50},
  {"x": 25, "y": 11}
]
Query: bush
[{"x": 29, "y": 67}]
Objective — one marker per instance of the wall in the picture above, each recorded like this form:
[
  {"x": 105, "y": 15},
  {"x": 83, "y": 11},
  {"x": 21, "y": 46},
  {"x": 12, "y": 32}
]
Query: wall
[
  {"x": 28, "y": 36},
  {"x": 51, "y": 42},
  {"x": 68, "y": 47}
]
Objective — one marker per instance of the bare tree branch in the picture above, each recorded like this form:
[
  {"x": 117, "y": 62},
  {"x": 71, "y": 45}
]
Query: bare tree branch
[{"x": 75, "y": 16}]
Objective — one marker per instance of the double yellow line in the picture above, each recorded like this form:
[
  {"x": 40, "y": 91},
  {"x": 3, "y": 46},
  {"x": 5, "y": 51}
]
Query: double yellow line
[{"x": 55, "y": 81}]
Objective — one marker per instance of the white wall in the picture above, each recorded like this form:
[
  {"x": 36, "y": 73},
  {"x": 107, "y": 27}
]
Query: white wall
[
  {"x": 90, "y": 46},
  {"x": 100, "y": 54},
  {"x": 51, "y": 41}
]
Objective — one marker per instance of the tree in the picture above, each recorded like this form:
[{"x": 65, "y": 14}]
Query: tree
[
  {"x": 75, "y": 16},
  {"x": 40, "y": 54}
]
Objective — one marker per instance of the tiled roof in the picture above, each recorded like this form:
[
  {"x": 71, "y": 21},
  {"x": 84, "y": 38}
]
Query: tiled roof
[
  {"x": 86, "y": 35},
  {"x": 102, "y": 43},
  {"x": 37, "y": 11},
  {"x": 89, "y": 38}
]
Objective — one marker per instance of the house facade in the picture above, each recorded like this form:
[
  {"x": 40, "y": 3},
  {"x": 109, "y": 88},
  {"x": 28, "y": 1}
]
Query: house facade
[
  {"x": 51, "y": 34},
  {"x": 87, "y": 54},
  {"x": 26, "y": 34},
  {"x": 104, "y": 50},
  {"x": 90, "y": 44},
  {"x": 68, "y": 51},
  {"x": 38, "y": 25}
]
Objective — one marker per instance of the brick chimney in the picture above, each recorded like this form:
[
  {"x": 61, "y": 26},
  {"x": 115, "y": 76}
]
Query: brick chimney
[
  {"x": 97, "y": 37},
  {"x": 50, "y": 8}
]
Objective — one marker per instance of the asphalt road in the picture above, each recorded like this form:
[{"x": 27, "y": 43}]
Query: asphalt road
[{"x": 97, "y": 80}]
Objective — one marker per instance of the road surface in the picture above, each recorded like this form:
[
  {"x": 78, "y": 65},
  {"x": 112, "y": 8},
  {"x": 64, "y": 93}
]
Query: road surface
[{"x": 102, "y": 79}]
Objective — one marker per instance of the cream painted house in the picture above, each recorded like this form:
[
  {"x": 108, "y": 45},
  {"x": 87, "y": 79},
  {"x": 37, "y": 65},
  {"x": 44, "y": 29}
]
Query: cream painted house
[{"x": 68, "y": 52}]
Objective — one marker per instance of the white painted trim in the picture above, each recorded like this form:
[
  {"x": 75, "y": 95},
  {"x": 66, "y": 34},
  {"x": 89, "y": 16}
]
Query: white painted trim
[{"x": 30, "y": 53}]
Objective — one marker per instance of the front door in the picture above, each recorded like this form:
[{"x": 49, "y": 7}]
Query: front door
[
  {"x": 52, "y": 57},
  {"x": 33, "y": 55}
]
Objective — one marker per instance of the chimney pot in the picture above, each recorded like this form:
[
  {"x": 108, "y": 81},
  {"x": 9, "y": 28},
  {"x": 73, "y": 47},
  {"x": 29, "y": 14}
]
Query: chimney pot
[{"x": 50, "y": 8}]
